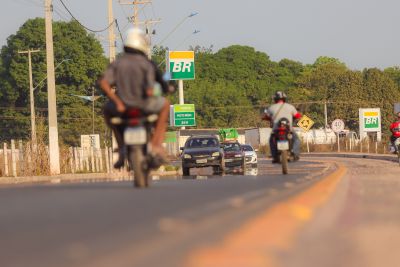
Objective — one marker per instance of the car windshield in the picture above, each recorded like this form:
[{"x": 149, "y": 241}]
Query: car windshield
[
  {"x": 202, "y": 142},
  {"x": 247, "y": 148},
  {"x": 232, "y": 147}
]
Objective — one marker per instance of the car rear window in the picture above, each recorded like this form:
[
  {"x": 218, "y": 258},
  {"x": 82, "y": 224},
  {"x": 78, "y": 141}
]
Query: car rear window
[
  {"x": 232, "y": 147},
  {"x": 247, "y": 148},
  {"x": 202, "y": 142}
]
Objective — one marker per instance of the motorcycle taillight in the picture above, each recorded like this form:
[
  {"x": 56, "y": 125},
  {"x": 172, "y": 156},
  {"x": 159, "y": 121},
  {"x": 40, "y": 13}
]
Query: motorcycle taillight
[{"x": 133, "y": 113}]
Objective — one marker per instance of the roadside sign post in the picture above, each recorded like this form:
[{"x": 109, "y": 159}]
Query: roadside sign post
[
  {"x": 370, "y": 121},
  {"x": 337, "y": 127},
  {"x": 181, "y": 66},
  {"x": 305, "y": 123}
]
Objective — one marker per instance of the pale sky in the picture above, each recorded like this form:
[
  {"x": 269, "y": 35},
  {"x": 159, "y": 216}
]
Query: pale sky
[{"x": 361, "y": 33}]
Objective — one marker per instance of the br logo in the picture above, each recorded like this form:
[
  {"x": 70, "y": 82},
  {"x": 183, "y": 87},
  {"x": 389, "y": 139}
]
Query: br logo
[
  {"x": 371, "y": 120},
  {"x": 182, "y": 67}
]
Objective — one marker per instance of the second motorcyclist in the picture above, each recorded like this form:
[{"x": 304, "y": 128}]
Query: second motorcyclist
[{"x": 274, "y": 113}]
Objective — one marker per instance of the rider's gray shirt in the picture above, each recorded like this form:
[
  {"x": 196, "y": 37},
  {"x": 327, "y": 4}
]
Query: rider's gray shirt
[
  {"x": 281, "y": 110},
  {"x": 132, "y": 75}
]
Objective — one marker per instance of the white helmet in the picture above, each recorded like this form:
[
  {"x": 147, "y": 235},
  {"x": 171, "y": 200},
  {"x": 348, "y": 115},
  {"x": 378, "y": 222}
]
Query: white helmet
[{"x": 136, "y": 39}]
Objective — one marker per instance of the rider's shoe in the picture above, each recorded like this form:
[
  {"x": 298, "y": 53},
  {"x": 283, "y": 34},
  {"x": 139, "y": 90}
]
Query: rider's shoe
[
  {"x": 275, "y": 160},
  {"x": 296, "y": 158},
  {"x": 121, "y": 158}
]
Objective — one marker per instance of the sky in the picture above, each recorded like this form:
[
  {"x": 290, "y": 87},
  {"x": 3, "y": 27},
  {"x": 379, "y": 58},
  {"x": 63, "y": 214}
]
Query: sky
[{"x": 360, "y": 33}]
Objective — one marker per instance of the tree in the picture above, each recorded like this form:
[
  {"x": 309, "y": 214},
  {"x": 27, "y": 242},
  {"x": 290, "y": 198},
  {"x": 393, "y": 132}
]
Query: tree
[{"x": 79, "y": 59}]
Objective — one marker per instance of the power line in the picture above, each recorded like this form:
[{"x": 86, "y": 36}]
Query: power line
[
  {"x": 119, "y": 30},
  {"x": 94, "y": 31}
]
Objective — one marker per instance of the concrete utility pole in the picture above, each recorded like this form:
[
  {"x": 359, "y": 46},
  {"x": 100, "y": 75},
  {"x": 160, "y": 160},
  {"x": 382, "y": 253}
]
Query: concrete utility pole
[
  {"x": 136, "y": 4},
  {"x": 136, "y": 20},
  {"x": 54, "y": 150},
  {"x": 32, "y": 99},
  {"x": 111, "y": 35}
]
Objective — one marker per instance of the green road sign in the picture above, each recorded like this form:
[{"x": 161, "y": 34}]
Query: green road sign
[
  {"x": 181, "y": 65},
  {"x": 184, "y": 115}
]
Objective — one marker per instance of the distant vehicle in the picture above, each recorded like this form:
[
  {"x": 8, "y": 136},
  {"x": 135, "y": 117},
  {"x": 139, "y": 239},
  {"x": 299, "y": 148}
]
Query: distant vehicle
[
  {"x": 250, "y": 155},
  {"x": 202, "y": 151},
  {"x": 234, "y": 156}
]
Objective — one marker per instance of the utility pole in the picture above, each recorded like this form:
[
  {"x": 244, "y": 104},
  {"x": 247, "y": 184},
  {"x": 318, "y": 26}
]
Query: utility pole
[
  {"x": 93, "y": 110},
  {"x": 136, "y": 4},
  {"x": 326, "y": 115},
  {"x": 136, "y": 20},
  {"x": 54, "y": 150},
  {"x": 111, "y": 35},
  {"x": 32, "y": 99}
]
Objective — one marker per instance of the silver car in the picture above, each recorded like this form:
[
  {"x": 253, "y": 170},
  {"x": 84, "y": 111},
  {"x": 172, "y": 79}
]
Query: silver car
[{"x": 250, "y": 155}]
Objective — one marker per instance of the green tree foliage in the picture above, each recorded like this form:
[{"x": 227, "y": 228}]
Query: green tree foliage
[
  {"x": 230, "y": 88},
  {"x": 79, "y": 60}
]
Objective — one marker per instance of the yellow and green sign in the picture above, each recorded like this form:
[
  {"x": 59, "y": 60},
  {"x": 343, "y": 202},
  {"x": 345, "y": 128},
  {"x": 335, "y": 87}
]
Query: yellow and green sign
[
  {"x": 184, "y": 115},
  {"x": 181, "y": 65}
]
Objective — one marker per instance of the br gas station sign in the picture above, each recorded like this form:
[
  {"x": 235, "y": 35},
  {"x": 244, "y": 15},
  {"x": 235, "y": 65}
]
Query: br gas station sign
[
  {"x": 181, "y": 65},
  {"x": 370, "y": 121}
]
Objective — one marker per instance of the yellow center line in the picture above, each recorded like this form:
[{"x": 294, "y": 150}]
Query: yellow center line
[{"x": 258, "y": 240}]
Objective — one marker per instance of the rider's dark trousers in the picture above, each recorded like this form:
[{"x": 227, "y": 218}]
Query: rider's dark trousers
[{"x": 110, "y": 111}]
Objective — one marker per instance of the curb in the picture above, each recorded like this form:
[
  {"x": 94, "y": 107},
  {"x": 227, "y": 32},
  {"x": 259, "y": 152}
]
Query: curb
[
  {"x": 78, "y": 178},
  {"x": 392, "y": 158}
]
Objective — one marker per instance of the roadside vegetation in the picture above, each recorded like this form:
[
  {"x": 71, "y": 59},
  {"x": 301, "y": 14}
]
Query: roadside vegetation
[{"x": 232, "y": 85}]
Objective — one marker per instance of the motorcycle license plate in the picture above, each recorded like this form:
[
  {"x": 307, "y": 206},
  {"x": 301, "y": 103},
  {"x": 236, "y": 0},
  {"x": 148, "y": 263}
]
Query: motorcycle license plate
[
  {"x": 283, "y": 145},
  {"x": 135, "y": 136}
]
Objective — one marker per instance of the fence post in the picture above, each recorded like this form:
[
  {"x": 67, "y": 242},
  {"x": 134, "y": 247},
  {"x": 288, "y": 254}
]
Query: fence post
[
  {"x": 100, "y": 155},
  {"x": 21, "y": 159},
  {"x": 5, "y": 152},
  {"x": 107, "y": 159},
  {"x": 93, "y": 167},
  {"x": 110, "y": 159},
  {"x": 76, "y": 160},
  {"x": 13, "y": 159},
  {"x": 85, "y": 152},
  {"x": 71, "y": 159}
]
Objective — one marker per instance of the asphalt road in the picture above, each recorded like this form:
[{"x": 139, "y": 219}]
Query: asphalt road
[{"x": 113, "y": 224}]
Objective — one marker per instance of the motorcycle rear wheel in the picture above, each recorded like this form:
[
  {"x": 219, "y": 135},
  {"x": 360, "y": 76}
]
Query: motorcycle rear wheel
[
  {"x": 284, "y": 161},
  {"x": 137, "y": 162}
]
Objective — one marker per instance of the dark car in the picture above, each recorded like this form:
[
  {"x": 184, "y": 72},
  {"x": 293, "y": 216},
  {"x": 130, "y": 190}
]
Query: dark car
[
  {"x": 234, "y": 155},
  {"x": 202, "y": 151}
]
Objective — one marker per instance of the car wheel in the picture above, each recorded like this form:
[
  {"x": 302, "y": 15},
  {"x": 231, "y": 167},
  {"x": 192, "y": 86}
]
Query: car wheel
[{"x": 185, "y": 171}]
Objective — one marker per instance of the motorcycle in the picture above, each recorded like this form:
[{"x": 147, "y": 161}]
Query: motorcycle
[
  {"x": 137, "y": 132},
  {"x": 283, "y": 139}
]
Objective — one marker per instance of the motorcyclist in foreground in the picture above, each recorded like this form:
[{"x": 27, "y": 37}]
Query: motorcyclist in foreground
[
  {"x": 395, "y": 129},
  {"x": 135, "y": 78},
  {"x": 274, "y": 113}
]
